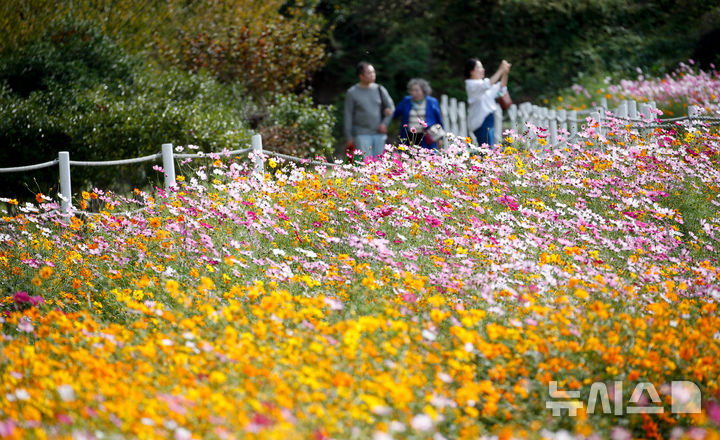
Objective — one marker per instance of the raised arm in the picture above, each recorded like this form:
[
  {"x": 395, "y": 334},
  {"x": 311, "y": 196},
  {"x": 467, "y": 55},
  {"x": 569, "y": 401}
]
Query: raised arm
[
  {"x": 504, "y": 76},
  {"x": 502, "y": 70}
]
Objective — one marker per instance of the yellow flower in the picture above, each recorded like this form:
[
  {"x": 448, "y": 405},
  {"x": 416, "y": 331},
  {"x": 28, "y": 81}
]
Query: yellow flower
[
  {"x": 581, "y": 293},
  {"x": 217, "y": 377},
  {"x": 207, "y": 284}
]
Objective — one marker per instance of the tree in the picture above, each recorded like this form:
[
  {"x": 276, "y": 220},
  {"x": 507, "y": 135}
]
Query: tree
[{"x": 268, "y": 46}]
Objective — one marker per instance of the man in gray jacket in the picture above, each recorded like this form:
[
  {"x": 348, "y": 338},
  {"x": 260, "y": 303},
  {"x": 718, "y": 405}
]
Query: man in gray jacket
[{"x": 368, "y": 111}]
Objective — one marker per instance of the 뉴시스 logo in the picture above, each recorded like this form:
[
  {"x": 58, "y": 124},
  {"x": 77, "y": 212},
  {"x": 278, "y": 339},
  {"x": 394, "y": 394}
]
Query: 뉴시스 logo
[{"x": 685, "y": 399}]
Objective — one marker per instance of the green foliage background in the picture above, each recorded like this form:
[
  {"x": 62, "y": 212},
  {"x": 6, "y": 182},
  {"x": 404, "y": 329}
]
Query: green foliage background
[
  {"x": 551, "y": 44},
  {"x": 113, "y": 80}
]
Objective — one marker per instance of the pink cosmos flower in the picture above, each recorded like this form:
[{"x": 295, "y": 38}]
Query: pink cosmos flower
[
  {"x": 713, "y": 412},
  {"x": 7, "y": 428},
  {"x": 26, "y": 325}
]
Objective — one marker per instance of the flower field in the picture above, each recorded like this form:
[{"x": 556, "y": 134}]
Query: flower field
[{"x": 419, "y": 296}]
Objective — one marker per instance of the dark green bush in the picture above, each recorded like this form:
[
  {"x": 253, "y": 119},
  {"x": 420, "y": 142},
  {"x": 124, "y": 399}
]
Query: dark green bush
[
  {"x": 295, "y": 127},
  {"x": 68, "y": 53},
  {"x": 550, "y": 43},
  {"x": 120, "y": 122}
]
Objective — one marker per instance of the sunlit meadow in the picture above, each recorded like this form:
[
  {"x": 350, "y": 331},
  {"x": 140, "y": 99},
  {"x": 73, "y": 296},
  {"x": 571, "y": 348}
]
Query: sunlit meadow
[{"x": 418, "y": 296}]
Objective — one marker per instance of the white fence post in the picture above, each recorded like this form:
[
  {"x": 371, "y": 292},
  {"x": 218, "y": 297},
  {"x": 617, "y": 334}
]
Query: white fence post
[
  {"x": 632, "y": 109},
  {"x": 562, "y": 119},
  {"x": 622, "y": 110},
  {"x": 513, "y": 114},
  {"x": 453, "y": 110},
  {"x": 259, "y": 166},
  {"x": 693, "y": 112},
  {"x": 525, "y": 112},
  {"x": 498, "y": 125},
  {"x": 462, "y": 120},
  {"x": 543, "y": 117},
  {"x": 168, "y": 166},
  {"x": 573, "y": 121},
  {"x": 552, "y": 117},
  {"x": 444, "y": 112},
  {"x": 600, "y": 117},
  {"x": 65, "y": 184}
]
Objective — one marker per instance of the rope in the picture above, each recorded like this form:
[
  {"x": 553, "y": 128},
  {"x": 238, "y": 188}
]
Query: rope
[
  {"x": 115, "y": 162},
  {"x": 30, "y": 167},
  {"x": 205, "y": 155},
  {"x": 301, "y": 161},
  {"x": 74, "y": 212}
]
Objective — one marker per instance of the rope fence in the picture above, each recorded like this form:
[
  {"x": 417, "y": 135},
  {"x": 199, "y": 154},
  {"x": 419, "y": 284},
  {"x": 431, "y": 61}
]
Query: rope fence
[
  {"x": 454, "y": 116},
  {"x": 168, "y": 160},
  {"x": 205, "y": 155},
  {"x": 303, "y": 161},
  {"x": 30, "y": 167},
  {"x": 83, "y": 163},
  {"x": 168, "y": 157}
]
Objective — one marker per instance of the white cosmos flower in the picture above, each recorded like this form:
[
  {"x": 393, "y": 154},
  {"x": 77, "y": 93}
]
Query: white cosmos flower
[{"x": 421, "y": 422}]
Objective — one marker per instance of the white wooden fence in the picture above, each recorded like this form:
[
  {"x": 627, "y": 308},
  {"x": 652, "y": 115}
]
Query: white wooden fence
[{"x": 454, "y": 115}]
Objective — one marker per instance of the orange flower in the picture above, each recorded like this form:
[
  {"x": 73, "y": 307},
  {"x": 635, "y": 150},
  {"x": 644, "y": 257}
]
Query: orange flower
[{"x": 46, "y": 272}]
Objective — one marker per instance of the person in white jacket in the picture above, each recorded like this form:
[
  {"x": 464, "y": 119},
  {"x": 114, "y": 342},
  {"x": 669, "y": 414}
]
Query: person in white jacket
[{"x": 481, "y": 94}]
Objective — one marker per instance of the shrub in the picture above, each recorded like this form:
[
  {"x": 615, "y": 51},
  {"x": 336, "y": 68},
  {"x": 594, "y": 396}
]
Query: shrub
[
  {"x": 267, "y": 47},
  {"x": 294, "y": 126},
  {"x": 102, "y": 123},
  {"x": 69, "y": 53}
]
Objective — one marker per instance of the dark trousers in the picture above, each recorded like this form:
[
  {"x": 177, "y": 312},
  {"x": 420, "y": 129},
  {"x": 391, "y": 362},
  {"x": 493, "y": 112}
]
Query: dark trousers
[{"x": 486, "y": 133}]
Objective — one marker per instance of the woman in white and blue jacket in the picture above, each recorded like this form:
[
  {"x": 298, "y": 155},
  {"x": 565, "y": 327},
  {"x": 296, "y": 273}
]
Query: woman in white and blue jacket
[
  {"x": 481, "y": 93},
  {"x": 417, "y": 112}
]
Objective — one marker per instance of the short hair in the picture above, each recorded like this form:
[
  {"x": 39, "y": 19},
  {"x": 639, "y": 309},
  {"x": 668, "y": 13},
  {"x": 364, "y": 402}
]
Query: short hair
[
  {"x": 423, "y": 84},
  {"x": 361, "y": 67},
  {"x": 469, "y": 66}
]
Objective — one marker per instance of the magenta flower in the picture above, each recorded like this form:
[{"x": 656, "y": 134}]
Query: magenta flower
[
  {"x": 713, "y": 412},
  {"x": 509, "y": 202},
  {"x": 23, "y": 297}
]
